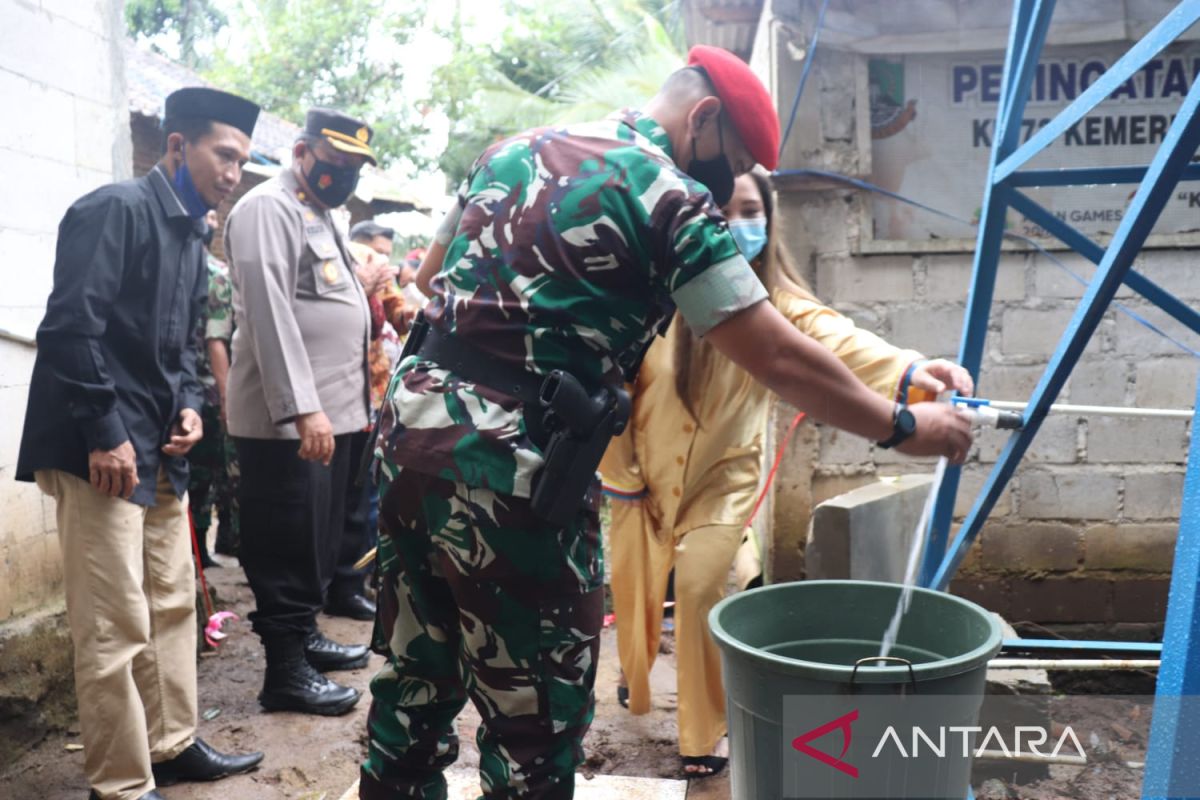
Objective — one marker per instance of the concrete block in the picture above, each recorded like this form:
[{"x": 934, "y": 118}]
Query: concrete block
[
  {"x": 993, "y": 593},
  {"x": 22, "y": 519},
  {"x": 840, "y": 447},
  {"x": 1173, "y": 270},
  {"x": 26, "y": 34},
  {"x": 89, "y": 15},
  {"x": 1153, "y": 495},
  {"x": 829, "y": 485},
  {"x": 1144, "y": 548},
  {"x": 1061, "y": 599},
  {"x": 933, "y": 331},
  {"x": 857, "y": 279},
  {"x": 1051, "y": 280},
  {"x": 866, "y": 534},
  {"x": 826, "y": 218},
  {"x": 13, "y": 400},
  {"x": 948, "y": 277},
  {"x": 1008, "y": 383},
  {"x": 1167, "y": 382},
  {"x": 970, "y": 485},
  {"x": 1047, "y": 495},
  {"x": 1136, "y": 441},
  {"x": 29, "y": 133},
  {"x": 1056, "y": 442},
  {"x": 1031, "y": 547},
  {"x": 1141, "y": 600},
  {"x": 1032, "y": 332},
  {"x": 1132, "y": 338},
  {"x": 16, "y": 363},
  {"x": 58, "y": 185},
  {"x": 1098, "y": 383},
  {"x": 30, "y": 285},
  {"x": 93, "y": 149},
  {"x": 6, "y": 588}
]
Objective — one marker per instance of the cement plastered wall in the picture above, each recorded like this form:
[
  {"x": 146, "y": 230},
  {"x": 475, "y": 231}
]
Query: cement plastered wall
[
  {"x": 1086, "y": 530},
  {"x": 65, "y": 132}
]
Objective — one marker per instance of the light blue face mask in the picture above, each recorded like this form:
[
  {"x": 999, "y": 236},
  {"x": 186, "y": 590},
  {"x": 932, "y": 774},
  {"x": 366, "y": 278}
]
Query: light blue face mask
[{"x": 750, "y": 235}]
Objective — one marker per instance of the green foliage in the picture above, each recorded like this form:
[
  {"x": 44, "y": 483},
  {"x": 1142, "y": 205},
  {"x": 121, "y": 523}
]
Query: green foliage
[
  {"x": 345, "y": 54},
  {"x": 571, "y": 61},
  {"x": 186, "y": 22}
]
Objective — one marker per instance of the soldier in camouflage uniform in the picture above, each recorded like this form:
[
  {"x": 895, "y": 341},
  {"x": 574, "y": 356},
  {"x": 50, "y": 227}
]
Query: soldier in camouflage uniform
[
  {"x": 209, "y": 482},
  {"x": 218, "y": 333},
  {"x": 566, "y": 251}
]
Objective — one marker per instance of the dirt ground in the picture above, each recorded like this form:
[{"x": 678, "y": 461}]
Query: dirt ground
[{"x": 317, "y": 758}]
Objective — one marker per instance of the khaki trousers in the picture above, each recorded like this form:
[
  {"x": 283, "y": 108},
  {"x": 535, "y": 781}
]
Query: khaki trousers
[
  {"x": 641, "y": 564},
  {"x": 131, "y": 606}
]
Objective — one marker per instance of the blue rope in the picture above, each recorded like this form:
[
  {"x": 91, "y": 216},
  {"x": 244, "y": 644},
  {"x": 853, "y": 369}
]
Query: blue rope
[
  {"x": 858, "y": 183},
  {"x": 808, "y": 60}
]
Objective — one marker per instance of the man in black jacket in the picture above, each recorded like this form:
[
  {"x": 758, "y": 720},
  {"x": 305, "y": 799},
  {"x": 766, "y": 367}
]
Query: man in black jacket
[{"x": 113, "y": 410}]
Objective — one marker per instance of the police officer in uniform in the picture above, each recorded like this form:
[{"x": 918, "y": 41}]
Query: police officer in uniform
[
  {"x": 297, "y": 392},
  {"x": 114, "y": 408}
]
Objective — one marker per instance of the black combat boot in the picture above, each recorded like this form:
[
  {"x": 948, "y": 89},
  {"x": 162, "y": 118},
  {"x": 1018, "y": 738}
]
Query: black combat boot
[{"x": 291, "y": 683}]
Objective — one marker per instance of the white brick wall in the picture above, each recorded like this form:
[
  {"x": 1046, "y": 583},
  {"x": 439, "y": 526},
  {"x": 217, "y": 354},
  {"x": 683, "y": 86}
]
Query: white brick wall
[
  {"x": 1083, "y": 478},
  {"x": 62, "y": 75}
]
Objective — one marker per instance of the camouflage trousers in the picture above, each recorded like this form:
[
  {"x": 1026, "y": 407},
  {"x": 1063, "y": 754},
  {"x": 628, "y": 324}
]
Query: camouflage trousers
[
  {"x": 481, "y": 600},
  {"x": 213, "y": 479}
]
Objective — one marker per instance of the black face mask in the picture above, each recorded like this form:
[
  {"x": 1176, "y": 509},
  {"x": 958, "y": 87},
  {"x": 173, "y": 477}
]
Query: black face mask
[
  {"x": 331, "y": 184},
  {"x": 715, "y": 173}
]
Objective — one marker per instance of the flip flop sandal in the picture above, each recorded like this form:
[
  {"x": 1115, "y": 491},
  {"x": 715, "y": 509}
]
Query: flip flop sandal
[
  {"x": 713, "y": 764},
  {"x": 623, "y": 696}
]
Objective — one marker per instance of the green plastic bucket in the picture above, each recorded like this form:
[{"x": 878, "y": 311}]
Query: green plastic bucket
[{"x": 803, "y": 639}]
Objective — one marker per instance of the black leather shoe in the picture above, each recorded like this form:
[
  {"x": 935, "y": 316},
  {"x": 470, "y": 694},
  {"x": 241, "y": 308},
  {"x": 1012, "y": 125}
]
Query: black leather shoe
[
  {"x": 291, "y": 683},
  {"x": 202, "y": 763},
  {"x": 150, "y": 795},
  {"x": 356, "y": 606},
  {"x": 327, "y": 655}
]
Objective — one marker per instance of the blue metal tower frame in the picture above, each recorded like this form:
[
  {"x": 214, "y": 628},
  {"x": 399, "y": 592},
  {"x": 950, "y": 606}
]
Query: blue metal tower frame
[{"x": 1176, "y": 723}]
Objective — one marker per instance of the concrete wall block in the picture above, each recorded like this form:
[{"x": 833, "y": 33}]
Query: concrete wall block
[
  {"x": 826, "y": 486},
  {"x": 93, "y": 151},
  {"x": 1047, "y": 495},
  {"x": 1173, "y": 270},
  {"x": 1063, "y": 599},
  {"x": 12, "y": 410},
  {"x": 1008, "y": 383},
  {"x": 933, "y": 331},
  {"x": 993, "y": 593},
  {"x": 1051, "y": 280},
  {"x": 1031, "y": 547},
  {"x": 29, "y": 282},
  {"x": 1167, "y": 382},
  {"x": 22, "y": 520},
  {"x": 29, "y": 133},
  {"x": 970, "y": 486},
  {"x": 6, "y": 587},
  {"x": 1141, "y": 441},
  {"x": 1132, "y": 338},
  {"x": 1055, "y": 443},
  {"x": 87, "y": 14},
  {"x": 1033, "y": 332},
  {"x": 845, "y": 279},
  {"x": 16, "y": 363},
  {"x": 840, "y": 447},
  {"x": 1153, "y": 495},
  {"x": 28, "y": 31},
  {"x": 58, "y": 185},
  {"x": 826, "y": 220},
  {"x": 1141, "y": 600},
  {"x": 948, "y": 277},
  {"x": 1144, "y": 548},
  {"x": 1098, "y": 383}
]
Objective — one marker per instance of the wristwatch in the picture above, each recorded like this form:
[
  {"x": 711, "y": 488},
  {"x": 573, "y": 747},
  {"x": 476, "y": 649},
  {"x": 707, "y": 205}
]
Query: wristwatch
[{"x": 904, "y": 425}]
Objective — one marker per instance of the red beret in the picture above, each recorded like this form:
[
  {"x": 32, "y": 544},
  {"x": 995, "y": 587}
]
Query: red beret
[{"x": 744, "y": 98}]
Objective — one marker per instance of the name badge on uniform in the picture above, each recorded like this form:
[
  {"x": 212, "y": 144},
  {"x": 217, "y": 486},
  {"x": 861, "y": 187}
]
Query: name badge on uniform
[{"x": 313, "y": 229}]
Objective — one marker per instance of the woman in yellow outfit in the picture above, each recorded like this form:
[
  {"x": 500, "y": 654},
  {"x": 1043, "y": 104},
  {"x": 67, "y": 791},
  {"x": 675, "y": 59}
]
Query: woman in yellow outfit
[{"x": 682, "y": 479}]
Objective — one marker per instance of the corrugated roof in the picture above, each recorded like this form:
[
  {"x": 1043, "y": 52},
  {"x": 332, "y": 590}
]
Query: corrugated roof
[{"x": 730, "y": 24}]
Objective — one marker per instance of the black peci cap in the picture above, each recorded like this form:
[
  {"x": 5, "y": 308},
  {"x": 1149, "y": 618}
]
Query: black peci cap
[
  {"x": 369, "y": 229},
  {"x": 200, "y": 102}
]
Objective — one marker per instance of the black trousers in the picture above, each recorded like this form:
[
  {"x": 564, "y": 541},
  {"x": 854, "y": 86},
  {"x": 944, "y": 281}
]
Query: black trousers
[
  {"x": 358, "y": 535},
  {"x": 291, "y": 515}
]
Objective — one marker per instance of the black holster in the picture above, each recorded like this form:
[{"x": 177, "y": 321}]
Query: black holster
[{"x": 581, "y": 426}]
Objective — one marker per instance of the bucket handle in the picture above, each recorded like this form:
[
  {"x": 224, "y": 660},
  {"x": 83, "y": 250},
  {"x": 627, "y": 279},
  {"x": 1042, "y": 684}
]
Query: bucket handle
[{"x": 912, "y": 678}]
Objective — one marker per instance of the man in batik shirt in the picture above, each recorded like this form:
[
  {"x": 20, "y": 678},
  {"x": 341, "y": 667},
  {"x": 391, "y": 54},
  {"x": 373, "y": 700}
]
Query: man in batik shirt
[{"x": 567, "y": 250}]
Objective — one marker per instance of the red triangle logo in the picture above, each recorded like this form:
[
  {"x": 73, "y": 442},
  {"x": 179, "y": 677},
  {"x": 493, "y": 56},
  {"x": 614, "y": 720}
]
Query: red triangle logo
[{"x": 842, "y": 723}]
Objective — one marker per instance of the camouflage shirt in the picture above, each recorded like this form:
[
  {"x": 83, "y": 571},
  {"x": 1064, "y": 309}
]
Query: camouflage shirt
[
  {"x": 566, "y": 250},
  {"x": 217, "y": 324}
]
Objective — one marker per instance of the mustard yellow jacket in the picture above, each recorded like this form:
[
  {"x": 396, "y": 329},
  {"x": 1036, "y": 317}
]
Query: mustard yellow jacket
[{"x": 695, "y": 475}]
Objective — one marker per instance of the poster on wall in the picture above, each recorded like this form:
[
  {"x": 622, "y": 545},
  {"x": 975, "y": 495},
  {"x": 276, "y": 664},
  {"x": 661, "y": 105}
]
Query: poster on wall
[{"x": 933, "y": 119}]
